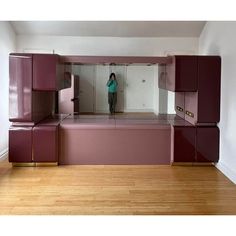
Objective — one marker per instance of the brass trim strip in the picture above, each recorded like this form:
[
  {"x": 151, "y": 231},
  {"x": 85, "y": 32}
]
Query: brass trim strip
[
  {"x": 182, "y": 163},
  {"x": 38, "y": 164},
  {"x": 23, "y": 164}
]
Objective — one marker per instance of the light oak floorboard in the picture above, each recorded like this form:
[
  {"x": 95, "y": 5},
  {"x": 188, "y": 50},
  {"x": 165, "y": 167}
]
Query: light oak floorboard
[{"x": 116, "y": 190}]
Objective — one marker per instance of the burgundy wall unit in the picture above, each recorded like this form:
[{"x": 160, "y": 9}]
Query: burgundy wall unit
[
  {"x": 45, "y": 143},
  {"x": 190, "y": 137},
  {"x": 20, "y": 144},
  {"x": 200, "y": 107},
  {"x": 180, "y": 75},
  {"x": 34, "y": 80}
]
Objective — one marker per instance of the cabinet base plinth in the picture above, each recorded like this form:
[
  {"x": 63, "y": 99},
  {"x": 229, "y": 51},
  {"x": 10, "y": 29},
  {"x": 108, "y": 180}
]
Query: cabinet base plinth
[{"x": 34, "y": 164}]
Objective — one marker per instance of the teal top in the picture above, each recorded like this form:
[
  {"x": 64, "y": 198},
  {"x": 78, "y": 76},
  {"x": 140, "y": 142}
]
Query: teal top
[{"x": 112, "y": 86}]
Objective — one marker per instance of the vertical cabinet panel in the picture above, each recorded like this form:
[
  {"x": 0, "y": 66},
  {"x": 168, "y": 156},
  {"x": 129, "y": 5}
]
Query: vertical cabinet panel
[
  {"x": 191, "y": 107},
  {"x": 45, "y": 143},
  {"x": 179, "y": 104},
  {"x": 183, "y": 140},
  {"x": 20, "y": 144},
  {"x": 20, "y": 84},
  {"x": 207, "y": 145},
  {"x": 209, "y": 73}
]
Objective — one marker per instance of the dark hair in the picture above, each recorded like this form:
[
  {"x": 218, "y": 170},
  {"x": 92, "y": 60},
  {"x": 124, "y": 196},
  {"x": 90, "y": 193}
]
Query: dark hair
[{"x": 112, "y": 74}]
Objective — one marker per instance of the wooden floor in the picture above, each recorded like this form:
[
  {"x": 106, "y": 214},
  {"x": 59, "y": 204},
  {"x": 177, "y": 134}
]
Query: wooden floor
[{"x": 115, "y": 190}]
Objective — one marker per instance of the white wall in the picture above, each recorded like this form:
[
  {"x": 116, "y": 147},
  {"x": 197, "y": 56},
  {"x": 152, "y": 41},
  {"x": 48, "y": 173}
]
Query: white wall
[
  {"x": 110, "y": 46},
  {"x": 218, "y": 38},
  {"x": 7, "y": 45}
]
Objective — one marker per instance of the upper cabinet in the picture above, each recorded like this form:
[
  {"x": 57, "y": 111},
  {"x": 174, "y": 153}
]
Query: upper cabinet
[
  {"x": 20, "y": 84},
  {"x": 33, "y": 80},
  {"x": 203, "y": 106},
  {"x": 180, "y": 75},
  {"x": 48, "y": 73}
]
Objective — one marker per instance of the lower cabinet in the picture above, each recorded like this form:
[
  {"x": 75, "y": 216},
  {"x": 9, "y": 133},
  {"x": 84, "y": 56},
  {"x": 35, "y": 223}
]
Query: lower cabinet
[
  {"x": 183, "y": 139},
  {"x": 20, "y": 144},
  {"x": 194, "y": 144},
  {"x": 207, "y": 145},
  {"x": 45, "y": 143}
]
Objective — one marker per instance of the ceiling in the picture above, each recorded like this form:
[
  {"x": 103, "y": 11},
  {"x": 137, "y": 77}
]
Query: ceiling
[{"x": 110, "y": 28}]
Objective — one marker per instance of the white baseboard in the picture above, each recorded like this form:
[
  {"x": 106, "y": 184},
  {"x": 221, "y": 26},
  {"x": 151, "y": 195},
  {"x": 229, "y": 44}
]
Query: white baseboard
[
  {"x": 228, "y": 172},
  {"x": 3, "y": 155}
]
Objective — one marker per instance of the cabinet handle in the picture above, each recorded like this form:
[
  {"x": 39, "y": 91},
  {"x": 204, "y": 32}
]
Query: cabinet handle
[
  {"x": 179, "y": 108},
  {"x": 189, "y": 114}
]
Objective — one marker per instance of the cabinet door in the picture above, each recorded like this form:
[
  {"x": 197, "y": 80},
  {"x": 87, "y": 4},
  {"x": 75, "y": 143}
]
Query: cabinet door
[
  {"x": 183, "y": 143},
  {"x": 209, "y": 73},
  {"x": 20, "y": 87},
  {"x": 45, "y": 143},
  {"x": 207, "y": 144},
  {"x": 181, "y": 74},
  {"x": 45, "y": 72},
  {"x": 20, "y": 144}
]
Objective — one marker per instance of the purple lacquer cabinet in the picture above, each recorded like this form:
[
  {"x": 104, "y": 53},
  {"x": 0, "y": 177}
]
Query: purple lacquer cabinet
[
  {"x": 209, "y": 73},
  {"x": 20, "y": 144},
  {"x": 181, "y": 74},
  {"x": 20, "y": 87},
  {"x": 48, "y": 72},
  {"x": 207, "y": 144},
  {"x": 45, "y": 143},
  {"x": 203, "y": 106},
  {"x": 183, "y": 139}
]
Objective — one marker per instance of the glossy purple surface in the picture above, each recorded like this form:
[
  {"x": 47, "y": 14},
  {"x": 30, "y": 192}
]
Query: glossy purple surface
[
  {"x": 45, "y": 143},
  {"x": 183, "y": 141},
  {"x": 45, "y": 72},
  {"x": 181, "y": 74},
  {"x": 20, "y": 144},
  {"x": 207, "y": 145},
  {"x": 42, "y": 105},
  {"x": 209, "y": 74},
  {"x": 20, "y": 84},
  {"x": 114, "y": 146}
]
